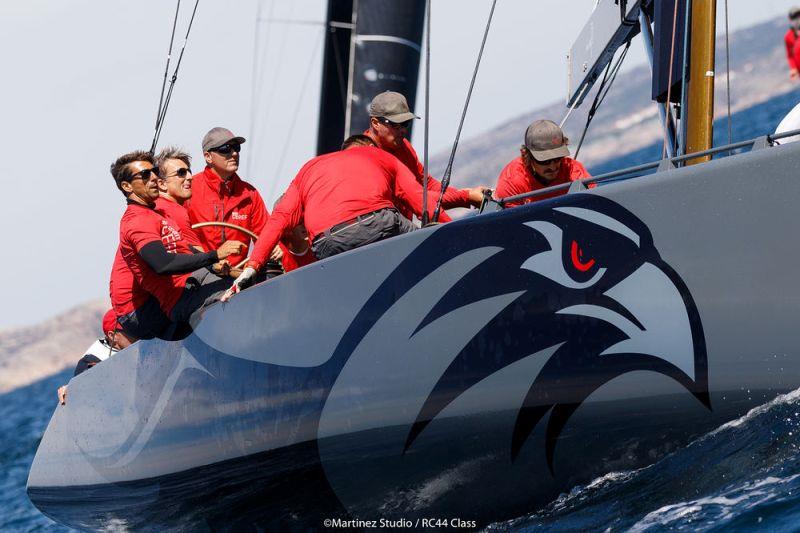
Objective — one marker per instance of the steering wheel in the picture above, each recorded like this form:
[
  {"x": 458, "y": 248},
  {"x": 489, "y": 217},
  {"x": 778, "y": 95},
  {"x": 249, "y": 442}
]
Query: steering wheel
[{"x": 230, "y": 226}]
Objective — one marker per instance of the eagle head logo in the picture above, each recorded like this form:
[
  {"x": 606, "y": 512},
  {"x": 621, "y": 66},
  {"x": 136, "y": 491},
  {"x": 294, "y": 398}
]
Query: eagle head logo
[{"x": 590, "y": 285}]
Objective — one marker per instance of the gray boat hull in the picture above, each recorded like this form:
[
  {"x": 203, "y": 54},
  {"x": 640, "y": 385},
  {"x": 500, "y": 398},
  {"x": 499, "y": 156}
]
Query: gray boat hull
[{"x": 470, "y": 371}]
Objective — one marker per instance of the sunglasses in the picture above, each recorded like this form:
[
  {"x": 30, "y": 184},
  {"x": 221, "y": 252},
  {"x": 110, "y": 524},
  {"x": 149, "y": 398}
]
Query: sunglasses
[
  {"x": 399, "y": 125},
  {"x": 145, "y": 175},
  {"x": 227, "y": 149},
  {"x": 181, "y": 173}
]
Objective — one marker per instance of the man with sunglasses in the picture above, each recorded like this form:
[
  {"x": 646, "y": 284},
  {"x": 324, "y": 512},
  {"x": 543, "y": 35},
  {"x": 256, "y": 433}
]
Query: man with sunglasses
[
  {"x": 153, "y": 257},
  {"x": 389, "y": 124},
  {"x": 220, "y": 195},
  {"x": 792, "y": 43},
  {"x": 175, "y": 188},
  {"x": 543, "y": 162}
]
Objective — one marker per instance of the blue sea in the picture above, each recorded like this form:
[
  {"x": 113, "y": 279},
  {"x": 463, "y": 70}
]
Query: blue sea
[{"x": 743, "y": 475}]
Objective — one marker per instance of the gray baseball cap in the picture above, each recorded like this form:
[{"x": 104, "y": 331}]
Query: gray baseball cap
[
  {"x": 391, "y": 106},
  {"x": 546, "y": 141},
  {"x": 216, "y": 137}
]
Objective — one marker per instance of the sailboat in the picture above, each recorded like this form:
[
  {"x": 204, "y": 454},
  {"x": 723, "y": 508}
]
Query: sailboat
[{"x": 470, "y": 371}]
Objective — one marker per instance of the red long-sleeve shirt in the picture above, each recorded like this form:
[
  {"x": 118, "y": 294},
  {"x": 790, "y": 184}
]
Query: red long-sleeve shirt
[
  {"x": 235, "y": 201},
  {"x": 517, "y": 179},
  {"x": 337, "y": 187},
  {"x": 139, "y": 226},
  {"x": 452, "y": 197},
  {"x": 792, "y": 49}
]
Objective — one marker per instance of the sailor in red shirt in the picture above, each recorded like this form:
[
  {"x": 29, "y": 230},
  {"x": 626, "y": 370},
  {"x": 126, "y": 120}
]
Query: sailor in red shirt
[
  {"x": 543, "y": 162},
  {"x": 347, "y": 199},
  {"x": 792, "y": 43},
  {"x": 390, "y": 120},
  {"x": 220, "y": 195},
  {"x": 298, "y": 250},
  {"x": 154, "y": 250},
  {"x": 175, "y": 189}
]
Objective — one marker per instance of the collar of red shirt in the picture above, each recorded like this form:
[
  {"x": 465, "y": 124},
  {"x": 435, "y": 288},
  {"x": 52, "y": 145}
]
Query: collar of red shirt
[{"x": 220, "y": 186}]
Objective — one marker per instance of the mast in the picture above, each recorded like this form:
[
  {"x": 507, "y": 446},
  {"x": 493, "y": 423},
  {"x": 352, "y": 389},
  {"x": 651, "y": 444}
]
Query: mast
[
  {"x": 700, "y": 115},
  {"x": 372, "y": 46},
  {"x": 333, "y": 94}
]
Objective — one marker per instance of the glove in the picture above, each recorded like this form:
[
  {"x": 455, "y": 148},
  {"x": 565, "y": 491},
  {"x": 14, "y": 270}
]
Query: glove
[{"x": 242, "y": 282}]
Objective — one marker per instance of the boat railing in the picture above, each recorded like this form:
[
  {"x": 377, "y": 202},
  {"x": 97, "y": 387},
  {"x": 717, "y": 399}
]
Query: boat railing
[{"x": 765, "y": 141}]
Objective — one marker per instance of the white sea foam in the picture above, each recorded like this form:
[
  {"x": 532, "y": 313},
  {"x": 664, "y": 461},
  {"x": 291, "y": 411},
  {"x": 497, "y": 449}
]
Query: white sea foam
[
  {"x": 715, "y": 508},
  {"x": 783, "y": 399}
]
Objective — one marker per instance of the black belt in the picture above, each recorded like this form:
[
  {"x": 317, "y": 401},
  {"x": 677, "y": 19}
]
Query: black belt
[{"x": 347, "y": 223}]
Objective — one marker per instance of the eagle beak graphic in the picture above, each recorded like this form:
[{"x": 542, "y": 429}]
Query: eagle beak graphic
[
  {"x": 664, "y": 327},
  {"x": 661, "y": 332}
]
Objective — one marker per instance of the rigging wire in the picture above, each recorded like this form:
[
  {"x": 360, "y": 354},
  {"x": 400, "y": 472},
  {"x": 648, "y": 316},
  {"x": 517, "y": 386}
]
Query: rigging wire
[
  {"x": 427, "y": 113},
  {"x": 728, "y": 75},
  {"x": 607, "y": 82},
  {"x": 166, "y": 68},
  {"x": 168, "y": 97},
  {"x": 278, "y": 71},
  {"x": 449, "y": 169},
  {"x": 296, "y": 113},
  {"x": 257, "y": 83},
  {"x": 669, "y": 80}
]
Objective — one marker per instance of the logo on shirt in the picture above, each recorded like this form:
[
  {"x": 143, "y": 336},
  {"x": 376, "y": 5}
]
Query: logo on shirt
[
  {"x": 170, "y": 237},
  {"x": 238, "y": 216}
]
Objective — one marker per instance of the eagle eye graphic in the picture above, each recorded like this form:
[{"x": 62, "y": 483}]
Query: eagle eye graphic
[{"x": 578, "y": 261}]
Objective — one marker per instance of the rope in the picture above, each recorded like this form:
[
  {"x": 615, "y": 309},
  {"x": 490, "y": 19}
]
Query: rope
[
  {"x": 425, "y": 219},
  {"x": 609, "y": 76},
  {"x": 573, "y": 106},
  {"x": 669, "y": 79},
  {"x": 448, "y": 171},
  {"x": 167, "y": 99},
  {"x": 728, "y": 75},
  {"x": 166, "y": 68}
]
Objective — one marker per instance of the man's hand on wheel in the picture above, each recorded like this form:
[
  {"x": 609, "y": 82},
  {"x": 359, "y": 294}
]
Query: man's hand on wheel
[
  {"x": 239, "y": 283},
  {"x": 229, "y": 248}
]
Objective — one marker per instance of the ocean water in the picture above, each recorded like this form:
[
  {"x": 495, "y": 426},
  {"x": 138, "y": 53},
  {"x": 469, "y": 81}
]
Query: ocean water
[{"x": 743, "y": 475}]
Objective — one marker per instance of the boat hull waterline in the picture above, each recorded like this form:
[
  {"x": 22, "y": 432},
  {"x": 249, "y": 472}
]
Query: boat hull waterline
[{"x": 470, "y": 371}]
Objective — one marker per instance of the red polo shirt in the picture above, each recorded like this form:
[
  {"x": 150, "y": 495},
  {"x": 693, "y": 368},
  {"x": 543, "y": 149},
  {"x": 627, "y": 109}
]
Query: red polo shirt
[
  {"x": 233, "y": 201},
  {"x": 516, "y": 179},
  {"x": 337, "y": 187},
  {"x": 141, "y": 225},
  {"x": 452, "y": 197},
  {"x": 177, "y": 213}
]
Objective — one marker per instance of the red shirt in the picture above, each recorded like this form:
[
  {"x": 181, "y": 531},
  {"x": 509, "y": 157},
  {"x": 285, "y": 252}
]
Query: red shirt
[
  {"x": 293, "y": 261},
  {"x": 792, "y": 49},
  {"x": 235, "y": 201},
  {"x": 337, "y": 187},
  {"x": 141, "y": 225},
  {"x": 180, "y": 216},
  {"x": 126, "y": 294},
  {"x": 452, "y": 197},
  {"x": 517, "y": 179}
]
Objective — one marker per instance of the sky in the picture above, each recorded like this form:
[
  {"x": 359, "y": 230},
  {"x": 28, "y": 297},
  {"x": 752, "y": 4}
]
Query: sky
[{"x": 81, "y": 82}]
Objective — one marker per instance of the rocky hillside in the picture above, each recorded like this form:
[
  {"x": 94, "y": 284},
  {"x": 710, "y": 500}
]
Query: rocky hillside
[
  {"x": 30, "y": 353},
  {"x": 628, "y": 119}
]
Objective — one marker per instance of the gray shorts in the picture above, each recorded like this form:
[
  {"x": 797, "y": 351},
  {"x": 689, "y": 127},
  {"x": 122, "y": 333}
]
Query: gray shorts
[{"x": 368, "y": 229}]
